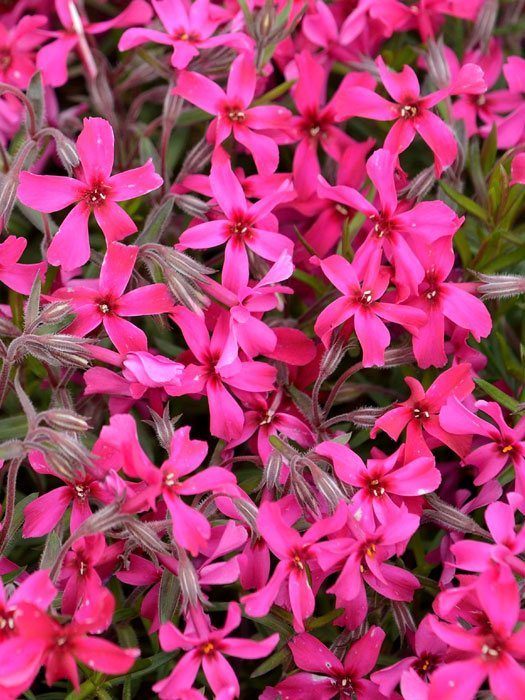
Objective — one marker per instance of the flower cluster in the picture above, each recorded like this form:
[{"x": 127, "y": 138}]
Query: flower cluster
[{"x": 261, "y": 383}]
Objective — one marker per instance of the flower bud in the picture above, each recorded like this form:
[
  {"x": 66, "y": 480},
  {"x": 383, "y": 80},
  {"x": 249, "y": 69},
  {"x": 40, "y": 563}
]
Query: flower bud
[
  {"x": 61, "y": 419},
  {"x": 500, "y": 286}
]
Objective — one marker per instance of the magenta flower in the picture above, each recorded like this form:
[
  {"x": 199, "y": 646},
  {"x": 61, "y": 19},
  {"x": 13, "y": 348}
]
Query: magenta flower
[
  {"x": 518, "y": 169},
  {"x": 440, "y": 300},
  {"x": 45, "y": 641},
  {"x": 18, "y": 46},
  {"x": 509, "y": 544},
  {"x": 325, "y": 676},
  {"x": 188, "y": 29},
  {"x": 233, "y": 112},
  {"x": 420, "y": 413},
  {"x": 362, "y": 555},
  {"x": 361, "y": 302},
  {"x": 316, "y": 124},
  {"x": 52, "y": 58},
  {"x": 429, "y": 651},
  {"x": 104, "y": 302},
  {"x": 215, "y": 366},
  {"x": 244, "y": 226},
  {"x": 206, "y": 647},
  {"x": 394, "y": 226},
  {"x": 410, "y": 111},
  {"x": 24, "y": 606},
  {"x": 18, "y": 276},
  {"x": 296, "y": 557},
  {"x": 504, "y": 443},
  {"x": 94, "y": 189},
  {"x": 382, "y": 484},
  {"x": 492, "y": 651},
  {"x": 42, "y": 514}
]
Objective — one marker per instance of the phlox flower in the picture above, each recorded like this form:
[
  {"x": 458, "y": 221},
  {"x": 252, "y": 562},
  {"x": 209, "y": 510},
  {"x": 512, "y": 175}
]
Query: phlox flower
[
  {"x": 323, "y": 675},
  {"x": 361, "y": 302},
  {"x": 381, "y": 484},
  {"x": 394, "y": 225},
  {"x": 411, "y": 112},
  {"x": 244, "y": 226},
  {"x": 233, "y": 114},
  {"x": 296, "y": 559},
  {"x": 504, "y": 443},
  {"x": 494, "y": 651},
  {"x": 442, "y": 299},
  {"x": 215, "y": 366},
  {"x": 94, "y": 190},
  {"x": 207, "y": 647},
  {"x": 18, "y": 46},
  {"x": 188, "y": 29},
  {"x": 52, "y": 58},
  {"x": 104, "y": 301},
  {"x": 420, "y": 413}
]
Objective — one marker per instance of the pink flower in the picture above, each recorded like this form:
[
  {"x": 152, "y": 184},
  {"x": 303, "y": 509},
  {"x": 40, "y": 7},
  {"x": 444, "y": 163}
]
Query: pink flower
[
  {"x": 429, "y": 654},
  {"x": 518, "y": 169},
  {"x": 316, "y": 125},
  {"x": 42, "y": 514},
  {"x": 233, "y": 112},
  {"x": 59, "y": 647},
  {"x": 509, "y": 545},
  {"x": 420, "y": 413},
  {"x": 244, "y": 226},
  {"x": 325, "y": 676},
  {"x": 296, "y": 557},
  {"x": 382, "y": 484},
  {"x": 95, "y": 190},
  {"x": 216, "y": 366},
  {"x": 25, "y": 604},
  {"x": 441, "y": 299},
  {"x": 492, "y": 651},
  {"x": 206, "y": 647},
  {"x": 410, "y": 110},
  {"x": 504, "y": 443},
  {"x": 188, "y": 29},
  {"x": 361, "y": 302},
  {"x": 52, "y": 58},
  {"x": 394, "y": 226},
  {"x": 361, "y": 557},
  {"x": 18, "y": 46},
  {"x": 104, "y": 302},
  {"x": 15, "y": 275}
]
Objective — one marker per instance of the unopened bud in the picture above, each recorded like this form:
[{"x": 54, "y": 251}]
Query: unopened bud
[
  {"x": 67, "y": 152},
  {"x": 332, "y": 359},
  {"x": 367, "y": 416},
  {"x": 8, "y": 188},
  {"x": 189, "y": 583},
  {"x": 450, "y": 518},
  {"x": 61, "y": 419},
  {"x": 55, "y": 312},
  {"x": 191, "y": 205},
  {"x": 196, "y": 160},
  {"x": 420, "y": 185},
  {"x": 272, "y": 470},
  {"x": 500, "y": 286},
  {"x": 398, "y": 356},
  {"x": 248, "y": 512},
  {"x": 327, "y": 487},
  {"x": 303, "y": 491},
  {"x": 484, "y": 25},
  {"x": 438, "y": 69}
]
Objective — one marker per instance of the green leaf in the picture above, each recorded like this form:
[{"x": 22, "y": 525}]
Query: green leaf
[
  {"x": 168, "y": 595},
  {"x": 464, "y": 202},
  {"x": 489, "y": 150},
  {"x": 156, "y": 223},
  {"x": 35, "y": 94},
  {"x": 326, "y": 619},
  {"x": 277, "y": 659},
  {"x": 500, "y": 396},
  {"x": 13, "y": 427},
  {"x": 51, "y": 550}
]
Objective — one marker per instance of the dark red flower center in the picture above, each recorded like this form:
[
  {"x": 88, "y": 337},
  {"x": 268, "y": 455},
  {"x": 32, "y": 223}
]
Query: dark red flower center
[
  {"x": 375, "y": 488},
  {"x": 408, "y": 111},
  {"x": 96, "y": 195},
  {"x": 183, "y": 35}
]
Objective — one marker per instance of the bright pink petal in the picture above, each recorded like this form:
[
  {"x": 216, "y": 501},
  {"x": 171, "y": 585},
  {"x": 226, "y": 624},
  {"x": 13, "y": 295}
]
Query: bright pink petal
[
  {"x": 143, "y": 301},
  {"x": 95, "y": 146},
  {"x": 69, "y": 248},
  {"x": 101, "y": 655},
  {"x": 115, "y": 223},
  {"x": 200, "y": 91},
  {"x": 439, "y": 138},
  {"x": 47, "y": 193},
  {"x": 134, "y": 183},
  {"x": 124, "y": 335},
  {"x": 42, "y": 514}
]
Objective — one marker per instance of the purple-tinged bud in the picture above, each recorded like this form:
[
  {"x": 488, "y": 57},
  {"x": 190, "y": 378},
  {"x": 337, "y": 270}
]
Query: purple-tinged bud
[
  {"x": 302, "y": 490},
  {"x": 402, "y": 617},
  {"x": 420, "y": 185},
  {"x": 438, "y": 69},
  {"x": 163, "y": 426},
  {"x": 8, "y": 189},
  {"x": 483, "y": 28},
  {"x": 367, "y": 416},
  {"x": 62, "y": 419},
  {"x": 332, "y": 358},
  {"x": 146, "y": 537},
  {"x": 450, "y": 518},
  {"x": 189, "y": 583},
  {"x": 272, "y": 470},
  {"x": 12, "y": 449},
  {"x": 500, "y": 286},
  {"x": 248, "y": 512},
  {"x": 191, "y": 205},
  {"x": 327, "y": 486},
  {"x": 55, "y": 312},
  {"x": 394, "y": 357},
  {"x": 196, "y": 160}
]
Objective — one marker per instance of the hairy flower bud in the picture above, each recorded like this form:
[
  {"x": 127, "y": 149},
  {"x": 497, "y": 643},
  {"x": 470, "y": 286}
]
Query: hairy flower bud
[
  {"x": 500, "y": 286},
  {"x": 62, "y": 419}
]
